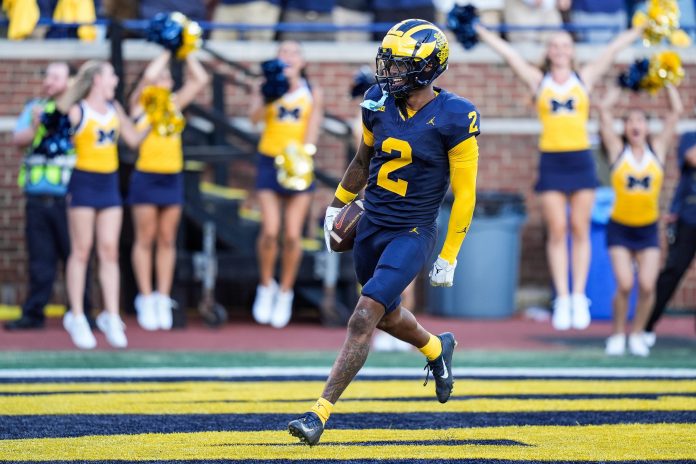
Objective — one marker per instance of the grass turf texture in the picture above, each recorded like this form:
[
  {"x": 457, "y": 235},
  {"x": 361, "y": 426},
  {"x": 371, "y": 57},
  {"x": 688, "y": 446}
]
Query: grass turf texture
[{"x": 591, "y": 358}]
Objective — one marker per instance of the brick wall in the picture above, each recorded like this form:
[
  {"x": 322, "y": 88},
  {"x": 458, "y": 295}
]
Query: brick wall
[{"x": 508, "y": 161}]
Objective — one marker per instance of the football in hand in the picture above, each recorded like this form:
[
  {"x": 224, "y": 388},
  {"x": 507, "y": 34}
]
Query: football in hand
[{"x": 345, "y": 226}]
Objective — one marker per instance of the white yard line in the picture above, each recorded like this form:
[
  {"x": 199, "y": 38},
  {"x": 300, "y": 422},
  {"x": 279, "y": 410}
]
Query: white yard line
[{"x": 243, "y": 372}]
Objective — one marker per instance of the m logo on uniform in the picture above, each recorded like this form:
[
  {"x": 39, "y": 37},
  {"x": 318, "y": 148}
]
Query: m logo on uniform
[
  {"x": 568, "y": 105},
  {"x": 634, "y": 183},
  {"x": 285, "y": 113},
  {"x": 106, "y": 136}
]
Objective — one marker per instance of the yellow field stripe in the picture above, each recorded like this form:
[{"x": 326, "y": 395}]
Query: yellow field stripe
[
  {"x": 214, "y": 403},
  {"x": 12, "y": 312},
  {"x": 581, "y": 443},
  {"x": 297, "y": 390}
]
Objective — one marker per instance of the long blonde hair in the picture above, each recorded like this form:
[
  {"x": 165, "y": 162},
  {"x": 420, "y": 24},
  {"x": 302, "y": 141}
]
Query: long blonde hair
[
  {"x": 546, "y": 64},
  {"x": 80, "y": 86}
]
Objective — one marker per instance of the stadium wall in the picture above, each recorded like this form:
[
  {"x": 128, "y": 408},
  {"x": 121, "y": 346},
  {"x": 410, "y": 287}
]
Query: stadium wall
[{"x": 508, "y": 141}]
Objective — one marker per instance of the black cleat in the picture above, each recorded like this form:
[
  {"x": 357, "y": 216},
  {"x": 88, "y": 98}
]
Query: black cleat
[
  {"x": 441, "y": 367},
  {"x": 308, "y": 428}
]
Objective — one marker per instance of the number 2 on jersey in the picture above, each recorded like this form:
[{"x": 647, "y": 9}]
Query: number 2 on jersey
[
  {"x": 398, "y": 186},
  {"x": 473, "y": 128}
]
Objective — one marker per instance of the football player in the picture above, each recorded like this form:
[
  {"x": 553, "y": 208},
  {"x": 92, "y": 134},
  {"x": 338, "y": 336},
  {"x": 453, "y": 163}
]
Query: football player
[{"x": 417, "y": 139}]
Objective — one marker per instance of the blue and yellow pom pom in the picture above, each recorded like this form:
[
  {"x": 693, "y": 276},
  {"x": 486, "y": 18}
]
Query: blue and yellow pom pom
[
  {"x": 175, "y": 32},
  {"x": 276, "y": 83},
  {"x": 295, "y": 167},
  {"x": 661, "y": 22},
  {"x": 161, "y": 112},
  {"x": 461, "y": 20},
  {"x": 57, "y": 140},
  {"x": 652, "y": 75},
  {"x": 362, "y": 81}
]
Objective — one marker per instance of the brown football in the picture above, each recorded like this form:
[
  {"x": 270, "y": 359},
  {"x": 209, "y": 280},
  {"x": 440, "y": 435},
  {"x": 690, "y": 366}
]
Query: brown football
[{"x": 345, "y": 226}]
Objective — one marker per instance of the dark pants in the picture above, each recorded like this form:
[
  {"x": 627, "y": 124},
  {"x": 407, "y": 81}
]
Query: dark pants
[
  {"x": 48, "y": 242},
  {"x": 681, "y": 252}
]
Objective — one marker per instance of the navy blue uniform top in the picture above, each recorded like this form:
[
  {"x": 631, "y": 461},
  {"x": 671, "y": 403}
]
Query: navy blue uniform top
[
  {"x": 409, "y": 172},
  {"x": 684, "y": 202}
]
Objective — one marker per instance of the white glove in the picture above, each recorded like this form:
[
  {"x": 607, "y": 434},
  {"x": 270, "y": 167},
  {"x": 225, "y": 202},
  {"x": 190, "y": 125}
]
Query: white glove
[
  {"x": 331, "y": 213},
  {"x": 442, "y": 273}
]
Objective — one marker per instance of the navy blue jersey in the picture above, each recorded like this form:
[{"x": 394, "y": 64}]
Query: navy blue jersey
[{"x": 409, "y": 172}]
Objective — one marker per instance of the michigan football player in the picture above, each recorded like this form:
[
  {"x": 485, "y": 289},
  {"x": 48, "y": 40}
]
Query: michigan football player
[{"x": 417, "y": 140}]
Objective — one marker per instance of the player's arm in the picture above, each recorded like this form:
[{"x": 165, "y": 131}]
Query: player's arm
[
  {"x": 354, "y": 180},
  {"x": 593, "y": 71},
  {"x": 463, "y": 161},
  {"x": 355, "y": 177},
  {"x": 610, "y": 138},
  {"x": 530, "y": 74},
  {"x": 664, "y": 138}
]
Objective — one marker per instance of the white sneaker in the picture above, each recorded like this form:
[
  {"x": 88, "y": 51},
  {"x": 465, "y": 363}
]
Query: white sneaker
[
  {"x": 581, "y": 311},
  {"x": 163, "y": 310},
  {"x": 400, "y": 345},
  {"x": 637, "y": 346},
  {"x": 561, "y": 319},
  {"x": 382, "y": 341},
  {"x": 80, "y": 333},
  {"x": 263, "y": 304},
  {"x": 282, "y": 309},
  {"x": 113, "y": 327},
  {"x": 385, "y": 342},
  {"x": 616, "y": 345},
  {"x": 146, "y": 307},
  {"x": 649, "y": 338}
]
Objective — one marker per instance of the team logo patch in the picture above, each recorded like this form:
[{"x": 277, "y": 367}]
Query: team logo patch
[
  {"x": 443, "y": 45},
  {"x": 568, "y": 105},
  {"x": 106, "y": 136},
  {"x": 634, "y": 183},
  {"x": 288, "y": 113}
]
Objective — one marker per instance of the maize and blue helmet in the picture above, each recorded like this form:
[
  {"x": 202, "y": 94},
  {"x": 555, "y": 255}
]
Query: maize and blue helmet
[{"x": 413, "y": 54}]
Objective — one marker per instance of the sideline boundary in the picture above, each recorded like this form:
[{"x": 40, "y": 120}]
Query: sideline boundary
[{"x": 290, "y": 372}]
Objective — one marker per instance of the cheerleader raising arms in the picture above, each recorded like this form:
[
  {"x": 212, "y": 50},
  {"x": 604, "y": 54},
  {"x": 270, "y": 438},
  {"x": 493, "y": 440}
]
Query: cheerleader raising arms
[
  {"x": 156, "y": 190},
  {"x": 566, "y": 176}
]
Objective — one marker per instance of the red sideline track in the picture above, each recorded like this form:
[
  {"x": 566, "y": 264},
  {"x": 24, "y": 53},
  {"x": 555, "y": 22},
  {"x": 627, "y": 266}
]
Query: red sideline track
[{"x": 245, "y": 335}]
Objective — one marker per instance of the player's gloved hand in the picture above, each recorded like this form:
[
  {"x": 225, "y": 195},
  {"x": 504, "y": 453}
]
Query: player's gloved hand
[
  {"x": 442, "y": 273},
  {"x": 331, "y": 213}
]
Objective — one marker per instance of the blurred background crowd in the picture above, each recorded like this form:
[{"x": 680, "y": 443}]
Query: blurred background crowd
[{"x": 362, "y": 20}]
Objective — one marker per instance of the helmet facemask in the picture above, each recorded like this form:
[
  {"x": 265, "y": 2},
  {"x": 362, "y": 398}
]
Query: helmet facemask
[
  {"x": 412, "y": 55},
  {"x": 400, "y": 75}
]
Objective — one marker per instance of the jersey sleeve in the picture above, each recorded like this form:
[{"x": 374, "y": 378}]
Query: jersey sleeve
[
  {"x": 463, "y": 122},
  {"x": 463, "y": 162},
  {"x": 374, "y": 93}
]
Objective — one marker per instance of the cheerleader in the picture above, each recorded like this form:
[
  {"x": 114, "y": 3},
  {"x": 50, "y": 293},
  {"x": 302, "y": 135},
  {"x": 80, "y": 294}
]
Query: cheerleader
[
  {"x": 156, "y": 193},
  {"x": 94, "y": 201},
  {"x": 567, "y": 175},
  {"x": 293, "y": 119},
  {"x": 637, "y": 169}
]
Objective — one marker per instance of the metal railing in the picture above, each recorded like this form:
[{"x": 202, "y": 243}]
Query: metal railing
[{"x": 141, "y": 25}]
